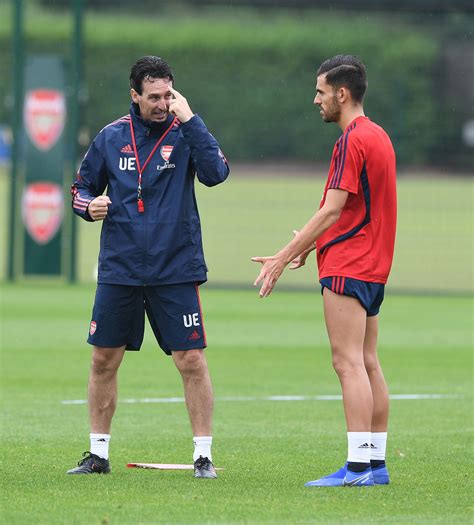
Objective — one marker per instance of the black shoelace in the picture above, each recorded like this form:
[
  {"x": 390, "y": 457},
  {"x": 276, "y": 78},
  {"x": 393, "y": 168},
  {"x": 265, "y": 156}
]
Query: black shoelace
[
  {"x": 85, "y": 457},
  {"x": 202, "y": 463}
]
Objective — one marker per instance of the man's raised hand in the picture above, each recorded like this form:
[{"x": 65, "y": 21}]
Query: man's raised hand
[{"x": 179, "y": 106}]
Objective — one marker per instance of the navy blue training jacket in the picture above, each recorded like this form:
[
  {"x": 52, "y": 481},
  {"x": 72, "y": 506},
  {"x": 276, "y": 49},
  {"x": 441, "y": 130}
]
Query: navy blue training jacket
[{"x": 163, "y": 244}]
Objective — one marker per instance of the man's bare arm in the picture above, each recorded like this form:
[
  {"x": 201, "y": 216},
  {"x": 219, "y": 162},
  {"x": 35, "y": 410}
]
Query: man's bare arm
[{"x": 324, "y": 218}]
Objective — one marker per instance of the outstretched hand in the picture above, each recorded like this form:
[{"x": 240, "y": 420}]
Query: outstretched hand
[
  {"x": 272, "y": 268},
  {"x": 179, "y": 106}
]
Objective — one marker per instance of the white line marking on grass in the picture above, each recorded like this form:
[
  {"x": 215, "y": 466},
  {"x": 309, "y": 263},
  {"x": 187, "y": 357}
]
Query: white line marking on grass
[{"x": 336, "y": 397}]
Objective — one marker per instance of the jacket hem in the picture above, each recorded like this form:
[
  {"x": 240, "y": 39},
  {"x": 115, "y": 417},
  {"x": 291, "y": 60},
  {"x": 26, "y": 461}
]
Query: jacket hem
[{"x": 200, "y": 279}]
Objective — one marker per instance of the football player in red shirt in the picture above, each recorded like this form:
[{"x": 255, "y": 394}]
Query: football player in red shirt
[{"x": 353, "y": 233}]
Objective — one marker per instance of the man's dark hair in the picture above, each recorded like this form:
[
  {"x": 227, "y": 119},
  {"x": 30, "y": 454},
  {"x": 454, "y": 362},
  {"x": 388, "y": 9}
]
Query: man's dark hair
[
  {"x": 346, "y": 71},
  {"x": 148, "y": 67}
]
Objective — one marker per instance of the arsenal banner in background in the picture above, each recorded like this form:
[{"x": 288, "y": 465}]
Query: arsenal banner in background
[{"x": 42, "y": 200}]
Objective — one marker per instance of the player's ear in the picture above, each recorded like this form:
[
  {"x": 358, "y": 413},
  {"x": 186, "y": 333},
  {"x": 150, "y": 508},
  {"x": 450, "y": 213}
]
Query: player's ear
[{"x": 342, "y": 94}]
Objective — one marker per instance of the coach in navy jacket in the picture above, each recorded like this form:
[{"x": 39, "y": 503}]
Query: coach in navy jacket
[
  {"x": 162, "y": 244},
  {"x": 151, "y": 258}
]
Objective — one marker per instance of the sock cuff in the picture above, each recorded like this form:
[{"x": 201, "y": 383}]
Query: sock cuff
[
  {"x": 359, "y": 435},
  {"x": 202, "y": 440},
  {"x": 105, "y": 437}
]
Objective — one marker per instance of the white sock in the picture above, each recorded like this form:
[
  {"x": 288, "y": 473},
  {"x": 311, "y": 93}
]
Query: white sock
[
  {"x": 202, "y": 447},
  {"x": 100, "y": 445},
  {"x": 378, "y": 445},
  {"x": 358, "y": 447}
]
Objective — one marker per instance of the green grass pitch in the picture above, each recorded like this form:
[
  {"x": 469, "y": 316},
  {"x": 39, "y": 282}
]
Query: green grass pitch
[{"x": 257, "y": 348}]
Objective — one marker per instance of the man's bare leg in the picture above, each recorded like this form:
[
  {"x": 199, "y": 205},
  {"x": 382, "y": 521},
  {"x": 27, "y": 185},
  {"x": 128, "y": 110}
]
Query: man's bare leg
[
  {"x": 102, "y": 390},
  {"x": 346, "y": 326},
  {"x": 102, "y": 395},
  {"x": 381, "y": 404},
  {"x": 376, "y": 377},
  {"x": 199, "y": 397},
  {"x": 198, "y": 392}
]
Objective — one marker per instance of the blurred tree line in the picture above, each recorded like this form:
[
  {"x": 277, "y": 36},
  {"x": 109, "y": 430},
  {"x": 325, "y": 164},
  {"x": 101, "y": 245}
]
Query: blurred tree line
[
  {"x": 251, "y": 73},
  {"x": 430, "y": 6}
]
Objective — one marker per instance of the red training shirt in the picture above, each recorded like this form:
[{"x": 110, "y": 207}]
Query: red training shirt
[{"x": 360, "y": 244}]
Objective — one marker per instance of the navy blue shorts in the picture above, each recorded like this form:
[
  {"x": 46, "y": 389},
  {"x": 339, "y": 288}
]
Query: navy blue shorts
[
  {"x": 370, "y": 295},
  {"x": 174, "y": 312}
]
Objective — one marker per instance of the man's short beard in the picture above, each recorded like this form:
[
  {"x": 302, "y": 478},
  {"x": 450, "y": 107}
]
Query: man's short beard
[{"x": 334, "y": 112}]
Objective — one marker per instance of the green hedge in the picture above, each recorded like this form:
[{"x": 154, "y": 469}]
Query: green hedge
[{"x": 252, "y": 77}]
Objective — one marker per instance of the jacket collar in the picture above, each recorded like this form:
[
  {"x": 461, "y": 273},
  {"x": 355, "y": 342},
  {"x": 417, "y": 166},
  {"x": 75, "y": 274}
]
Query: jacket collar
[{"x": 146, "y": 127}]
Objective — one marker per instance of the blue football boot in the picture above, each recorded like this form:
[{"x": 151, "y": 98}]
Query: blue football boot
[
  {"x": 381, "y": 476},
  {"x": 336, "y": 479},
  {"x": 358, "y": 479}
]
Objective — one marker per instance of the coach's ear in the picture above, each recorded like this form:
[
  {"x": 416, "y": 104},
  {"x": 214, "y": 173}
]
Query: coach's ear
[{"x": 134, "y": 95}]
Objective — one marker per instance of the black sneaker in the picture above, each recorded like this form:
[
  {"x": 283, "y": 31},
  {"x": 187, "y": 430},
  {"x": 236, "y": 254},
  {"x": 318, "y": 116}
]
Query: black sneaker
[
  {"x": 91, "y": 464},
  {"x": 203, "y": 468}
]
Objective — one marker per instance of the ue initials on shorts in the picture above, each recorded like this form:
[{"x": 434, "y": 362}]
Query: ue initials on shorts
[{"x": 191, "y": 320}]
